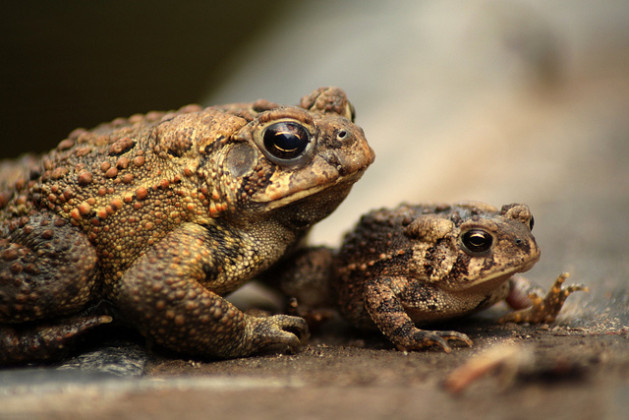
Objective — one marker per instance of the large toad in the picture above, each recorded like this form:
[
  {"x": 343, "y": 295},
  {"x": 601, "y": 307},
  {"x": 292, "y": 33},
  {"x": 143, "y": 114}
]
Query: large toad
[
  {"x": 411, "y": 265},
  {"x": 163, "y": 214}
]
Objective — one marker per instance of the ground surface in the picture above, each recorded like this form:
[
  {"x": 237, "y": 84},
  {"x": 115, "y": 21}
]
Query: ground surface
[
  {"x": 495, "y": 101},
  {"x": 567, "y": 372}
]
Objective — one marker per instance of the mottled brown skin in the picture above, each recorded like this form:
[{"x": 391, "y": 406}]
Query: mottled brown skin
[
  {"x": 413, "y": 265},
  {"x": 161, "y": 215}
]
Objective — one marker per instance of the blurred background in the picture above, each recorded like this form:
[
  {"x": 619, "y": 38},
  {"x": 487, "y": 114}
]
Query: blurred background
[{"x": 497, "y": 101}]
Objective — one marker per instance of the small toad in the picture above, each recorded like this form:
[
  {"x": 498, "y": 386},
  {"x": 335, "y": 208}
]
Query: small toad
[
  {"x": 161, "y": 215},
  {"x": 416, "y": 264}
]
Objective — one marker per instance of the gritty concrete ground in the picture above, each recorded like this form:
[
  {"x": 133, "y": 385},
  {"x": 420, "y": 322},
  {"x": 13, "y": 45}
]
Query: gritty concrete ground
[
  {"x": 560, "y": 372},
  {"x": 493, "y": 101}
]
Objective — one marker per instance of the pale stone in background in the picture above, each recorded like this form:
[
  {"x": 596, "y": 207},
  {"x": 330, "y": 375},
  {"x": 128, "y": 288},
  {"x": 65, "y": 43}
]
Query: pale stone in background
[{"x": 496, "y": 101}]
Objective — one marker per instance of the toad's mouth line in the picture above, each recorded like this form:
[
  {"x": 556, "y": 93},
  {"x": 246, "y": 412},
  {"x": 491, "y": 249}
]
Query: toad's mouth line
[
  {"x": 498, "y": 277},
  {"x": 346, "y": 181}
]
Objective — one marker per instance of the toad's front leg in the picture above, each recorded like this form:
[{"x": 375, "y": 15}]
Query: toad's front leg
[
  {"x": 538, "y": 310},
  {"x": 387, "y": 309},
  {"x": 164, "y": 296}
]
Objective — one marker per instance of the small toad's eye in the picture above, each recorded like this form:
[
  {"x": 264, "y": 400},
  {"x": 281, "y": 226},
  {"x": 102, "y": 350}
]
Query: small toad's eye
[
  {"x": 286, "y": 140},
  {"x": 341, "y": 135},
  {"x": 531, "y": 223},
  {"x": 477, "y": 241}
]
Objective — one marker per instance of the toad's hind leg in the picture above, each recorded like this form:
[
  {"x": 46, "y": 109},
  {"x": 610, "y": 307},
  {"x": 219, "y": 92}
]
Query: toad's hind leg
[
  {"x": 28, "y": 343},
  {"x": 47, "y": 274},
  {"x": 47, "y": 269}
]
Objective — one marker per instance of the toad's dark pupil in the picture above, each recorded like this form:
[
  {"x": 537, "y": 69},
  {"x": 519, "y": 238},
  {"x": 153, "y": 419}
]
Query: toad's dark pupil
[
  {"x": 286, "y": 140},
  {"x": 477, "y": 240}
]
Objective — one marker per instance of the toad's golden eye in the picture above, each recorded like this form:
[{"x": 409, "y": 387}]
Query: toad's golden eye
[
  {"x": 286, "y": 141},
  {"x": 531, "y": 223},
  {"x": 477, "y": 241}
]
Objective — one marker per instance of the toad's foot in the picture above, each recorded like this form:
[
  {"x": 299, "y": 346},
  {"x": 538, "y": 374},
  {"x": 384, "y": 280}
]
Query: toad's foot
[
  {"x": 545, "y": 310},
  {"x": 278, "y": 330}
]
